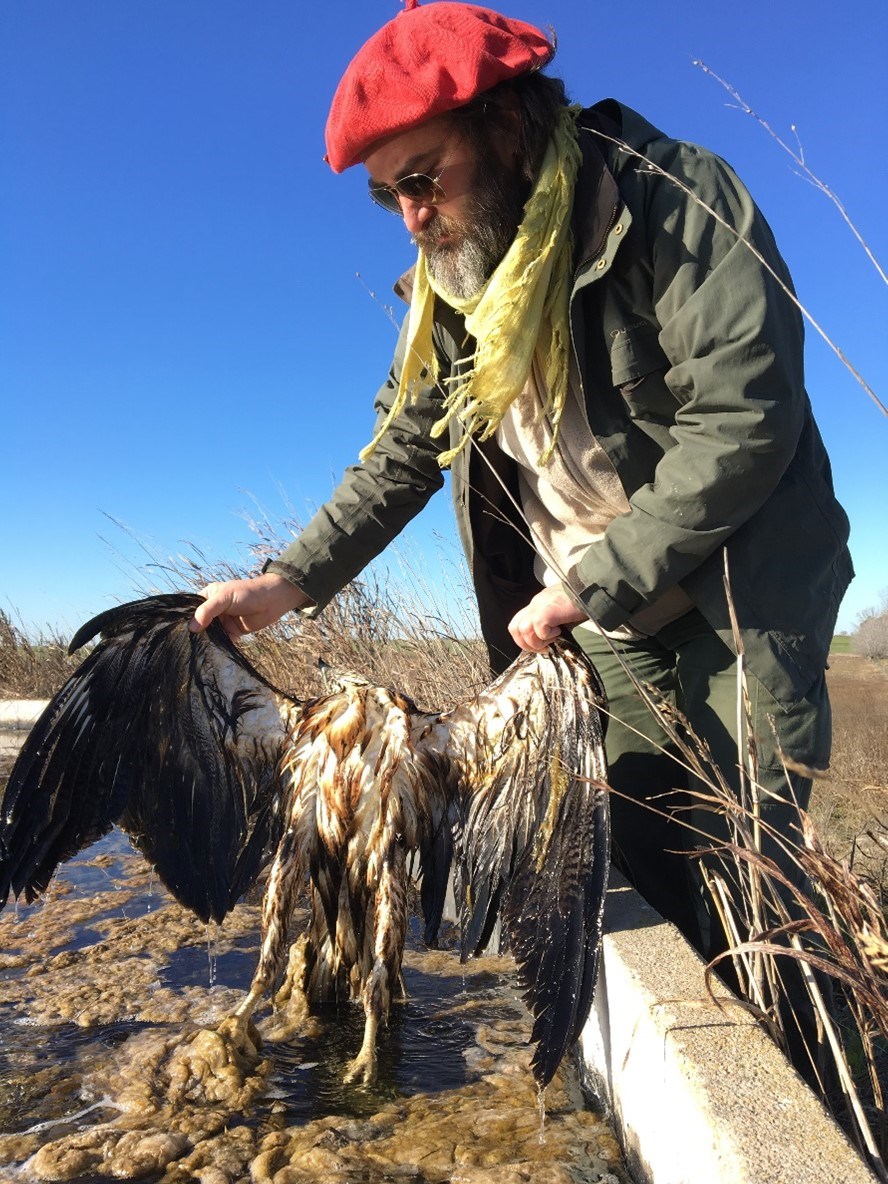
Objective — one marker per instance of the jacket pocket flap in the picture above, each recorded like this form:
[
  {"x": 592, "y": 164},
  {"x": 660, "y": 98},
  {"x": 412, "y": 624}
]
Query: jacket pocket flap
[{"x": 635, "y": 351}]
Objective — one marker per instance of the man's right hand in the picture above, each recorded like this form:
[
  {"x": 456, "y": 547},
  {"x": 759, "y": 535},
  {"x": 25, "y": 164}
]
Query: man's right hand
[{"x": 243, "y": 606}]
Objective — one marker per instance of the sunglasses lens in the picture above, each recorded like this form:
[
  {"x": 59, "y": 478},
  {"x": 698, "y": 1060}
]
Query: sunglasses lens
[
  {"x": 387, "y": 198},
  {"x": 420, "y": 188},
  {"x": 417, "y": 187}
]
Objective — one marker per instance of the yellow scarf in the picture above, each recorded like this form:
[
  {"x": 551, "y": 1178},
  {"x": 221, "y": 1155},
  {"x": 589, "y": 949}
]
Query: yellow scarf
[{"x": 523, "y": 307}]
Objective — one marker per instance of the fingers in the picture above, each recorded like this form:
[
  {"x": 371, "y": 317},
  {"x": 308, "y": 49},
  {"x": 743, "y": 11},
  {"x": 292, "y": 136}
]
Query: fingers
[
  {"x": 243, "y": 606},
  {"x": 538, "y": 624},
  {"x": 218, "y": 600},
  {"x": 530, "y": 633}
]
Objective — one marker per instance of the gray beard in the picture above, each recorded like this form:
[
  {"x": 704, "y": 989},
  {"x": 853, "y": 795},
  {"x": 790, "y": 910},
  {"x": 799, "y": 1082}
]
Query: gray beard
[
  {"x": 483, "y": 235},
  {"x": 463, "y": 270}
]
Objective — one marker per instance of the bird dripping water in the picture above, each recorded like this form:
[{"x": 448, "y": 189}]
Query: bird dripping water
[{"x": 217, "y": 777}]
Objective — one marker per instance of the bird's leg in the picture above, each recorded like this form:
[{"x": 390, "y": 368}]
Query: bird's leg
[
  {"x": 363, "y": 1067},
  {"x": 291, "y": 992},
  {"x": 389, "y": 931},
  {"x": 291, "y": 1010},
  {"x": 277, "y": 909},
  {"x": 244, "y": 1011}
]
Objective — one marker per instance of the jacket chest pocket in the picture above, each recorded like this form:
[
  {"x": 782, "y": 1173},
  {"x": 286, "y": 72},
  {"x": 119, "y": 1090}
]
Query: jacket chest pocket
[{"x": 638, "y": 368}]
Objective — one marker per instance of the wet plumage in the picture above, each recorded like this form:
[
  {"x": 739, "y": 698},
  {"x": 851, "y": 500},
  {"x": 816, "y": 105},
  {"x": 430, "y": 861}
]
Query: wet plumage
[{"x": 217, "y": 775}]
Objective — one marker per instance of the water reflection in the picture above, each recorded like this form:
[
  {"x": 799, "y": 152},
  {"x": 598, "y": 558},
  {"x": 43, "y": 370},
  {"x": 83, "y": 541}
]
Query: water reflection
[{"x": 111, "y": 1066}]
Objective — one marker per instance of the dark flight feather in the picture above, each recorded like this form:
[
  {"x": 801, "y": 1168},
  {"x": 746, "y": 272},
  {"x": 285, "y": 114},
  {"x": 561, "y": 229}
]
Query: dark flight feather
[{"x": 533, "y": 834}]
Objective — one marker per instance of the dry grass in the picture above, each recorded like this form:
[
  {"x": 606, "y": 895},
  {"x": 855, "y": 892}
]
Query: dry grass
[
  {"x": 372, "y": 631},
  {"x": 412, "y": 633},
  {"x": 837, "y": 928},
  {"x": 850, "y": 809},
  {"x": 31, "y": 668}
]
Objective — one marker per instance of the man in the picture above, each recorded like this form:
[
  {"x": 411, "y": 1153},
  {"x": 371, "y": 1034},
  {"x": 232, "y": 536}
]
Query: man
[{"x": 601, "y": 346}]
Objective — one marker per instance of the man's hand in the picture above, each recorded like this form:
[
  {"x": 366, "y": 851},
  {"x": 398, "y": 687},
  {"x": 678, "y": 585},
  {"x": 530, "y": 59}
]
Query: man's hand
[
  {"x": 244, "y": 606},
  {"x": 540, "y": 621}
]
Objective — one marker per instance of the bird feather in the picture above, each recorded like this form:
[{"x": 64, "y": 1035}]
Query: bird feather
[{"x": 533, "y": 833}]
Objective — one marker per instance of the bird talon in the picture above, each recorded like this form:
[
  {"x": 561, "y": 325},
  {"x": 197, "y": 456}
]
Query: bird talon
[{"x": 361, "y": 1070}]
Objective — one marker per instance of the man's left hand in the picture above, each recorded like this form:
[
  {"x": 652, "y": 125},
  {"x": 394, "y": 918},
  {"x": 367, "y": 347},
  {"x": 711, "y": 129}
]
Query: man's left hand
[{"x": 539, "y": 623}]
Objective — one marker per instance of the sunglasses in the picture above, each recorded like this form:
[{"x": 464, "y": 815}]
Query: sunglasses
[{"x": 416, "y": 187}]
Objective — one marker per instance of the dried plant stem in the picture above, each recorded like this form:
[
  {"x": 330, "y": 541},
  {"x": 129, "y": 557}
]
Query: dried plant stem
[
  {"x": 798, "y": 157},
  {"x": 746, "y": 964},
  {"x": 750, "y": 798},
  {"x": 841, "y": 1063}
]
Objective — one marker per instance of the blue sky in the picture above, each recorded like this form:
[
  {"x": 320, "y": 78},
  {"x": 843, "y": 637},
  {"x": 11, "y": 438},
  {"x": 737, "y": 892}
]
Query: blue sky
[{"x": 187, "y": 327}]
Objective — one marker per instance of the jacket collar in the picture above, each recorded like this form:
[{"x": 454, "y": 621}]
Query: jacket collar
[
  {"x": 404, "y": 284},
  {"x": 596, "y": 197}
]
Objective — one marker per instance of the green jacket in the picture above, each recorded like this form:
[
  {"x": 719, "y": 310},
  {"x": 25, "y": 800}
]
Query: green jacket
[{"x": 691, "y": 361}]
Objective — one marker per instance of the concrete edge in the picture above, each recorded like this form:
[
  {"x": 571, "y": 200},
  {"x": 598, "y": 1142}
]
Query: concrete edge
[
  {"x": 697, "y": 1094},
  {"x": 20, "y": 714}
]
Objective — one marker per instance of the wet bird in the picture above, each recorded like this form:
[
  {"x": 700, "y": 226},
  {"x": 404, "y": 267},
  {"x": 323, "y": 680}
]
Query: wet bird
[{"x": 215, "y": 775}]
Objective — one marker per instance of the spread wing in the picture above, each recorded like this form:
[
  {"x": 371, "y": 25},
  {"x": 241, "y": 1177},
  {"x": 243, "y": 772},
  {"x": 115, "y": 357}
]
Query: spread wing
[
  {"x": 532, "y": 837},
  {"x": 169, "y": 733}
]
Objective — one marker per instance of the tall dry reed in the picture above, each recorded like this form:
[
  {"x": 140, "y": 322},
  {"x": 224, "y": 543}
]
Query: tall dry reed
[{"x": 31, "y": 667}]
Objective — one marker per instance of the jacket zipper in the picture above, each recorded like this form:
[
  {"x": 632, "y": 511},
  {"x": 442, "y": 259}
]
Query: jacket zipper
[{"x": 579, "y": 267}]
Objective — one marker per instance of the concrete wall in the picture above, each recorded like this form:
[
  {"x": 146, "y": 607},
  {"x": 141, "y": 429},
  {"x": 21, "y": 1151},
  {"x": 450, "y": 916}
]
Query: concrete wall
[{"x": 698, "y": 1094}]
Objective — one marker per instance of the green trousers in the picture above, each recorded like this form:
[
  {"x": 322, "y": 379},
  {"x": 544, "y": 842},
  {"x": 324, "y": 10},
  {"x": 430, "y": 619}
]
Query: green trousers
[{"x": 656, "y": 819}]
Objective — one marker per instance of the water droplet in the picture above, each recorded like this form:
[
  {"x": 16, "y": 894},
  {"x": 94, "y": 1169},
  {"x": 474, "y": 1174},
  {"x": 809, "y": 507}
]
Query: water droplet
[{"x": 212, "y": 952}]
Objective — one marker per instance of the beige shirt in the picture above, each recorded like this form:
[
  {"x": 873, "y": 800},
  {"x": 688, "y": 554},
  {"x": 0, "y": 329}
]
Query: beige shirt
[{"x": 569, "y": 502}]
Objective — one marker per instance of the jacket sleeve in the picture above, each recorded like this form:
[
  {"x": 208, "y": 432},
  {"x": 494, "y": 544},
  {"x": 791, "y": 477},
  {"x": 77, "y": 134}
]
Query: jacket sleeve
[
  {"x": 734, "y": 343},
  {"x": 373, "y": 502}
]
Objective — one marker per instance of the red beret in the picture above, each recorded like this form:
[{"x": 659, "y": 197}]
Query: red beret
[{"x": 427, "y": 60}]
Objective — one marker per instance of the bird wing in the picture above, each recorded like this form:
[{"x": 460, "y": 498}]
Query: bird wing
[
  {"x": 172, "y": 734},
  {"x": 532, "y": 835}
]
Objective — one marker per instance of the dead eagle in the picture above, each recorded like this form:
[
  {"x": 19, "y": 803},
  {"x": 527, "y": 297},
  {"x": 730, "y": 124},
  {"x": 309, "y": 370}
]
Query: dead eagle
[{"x": 214, "y": 774}]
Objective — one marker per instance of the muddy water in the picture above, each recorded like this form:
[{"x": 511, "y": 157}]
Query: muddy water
[{"x": 116, "y": 1060}]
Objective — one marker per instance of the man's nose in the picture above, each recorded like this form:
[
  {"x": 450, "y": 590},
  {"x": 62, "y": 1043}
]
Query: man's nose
[{"x": 416, "y": 214}]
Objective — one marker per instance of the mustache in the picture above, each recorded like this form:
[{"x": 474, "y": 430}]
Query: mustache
[{"x": 440, "y": 227}]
